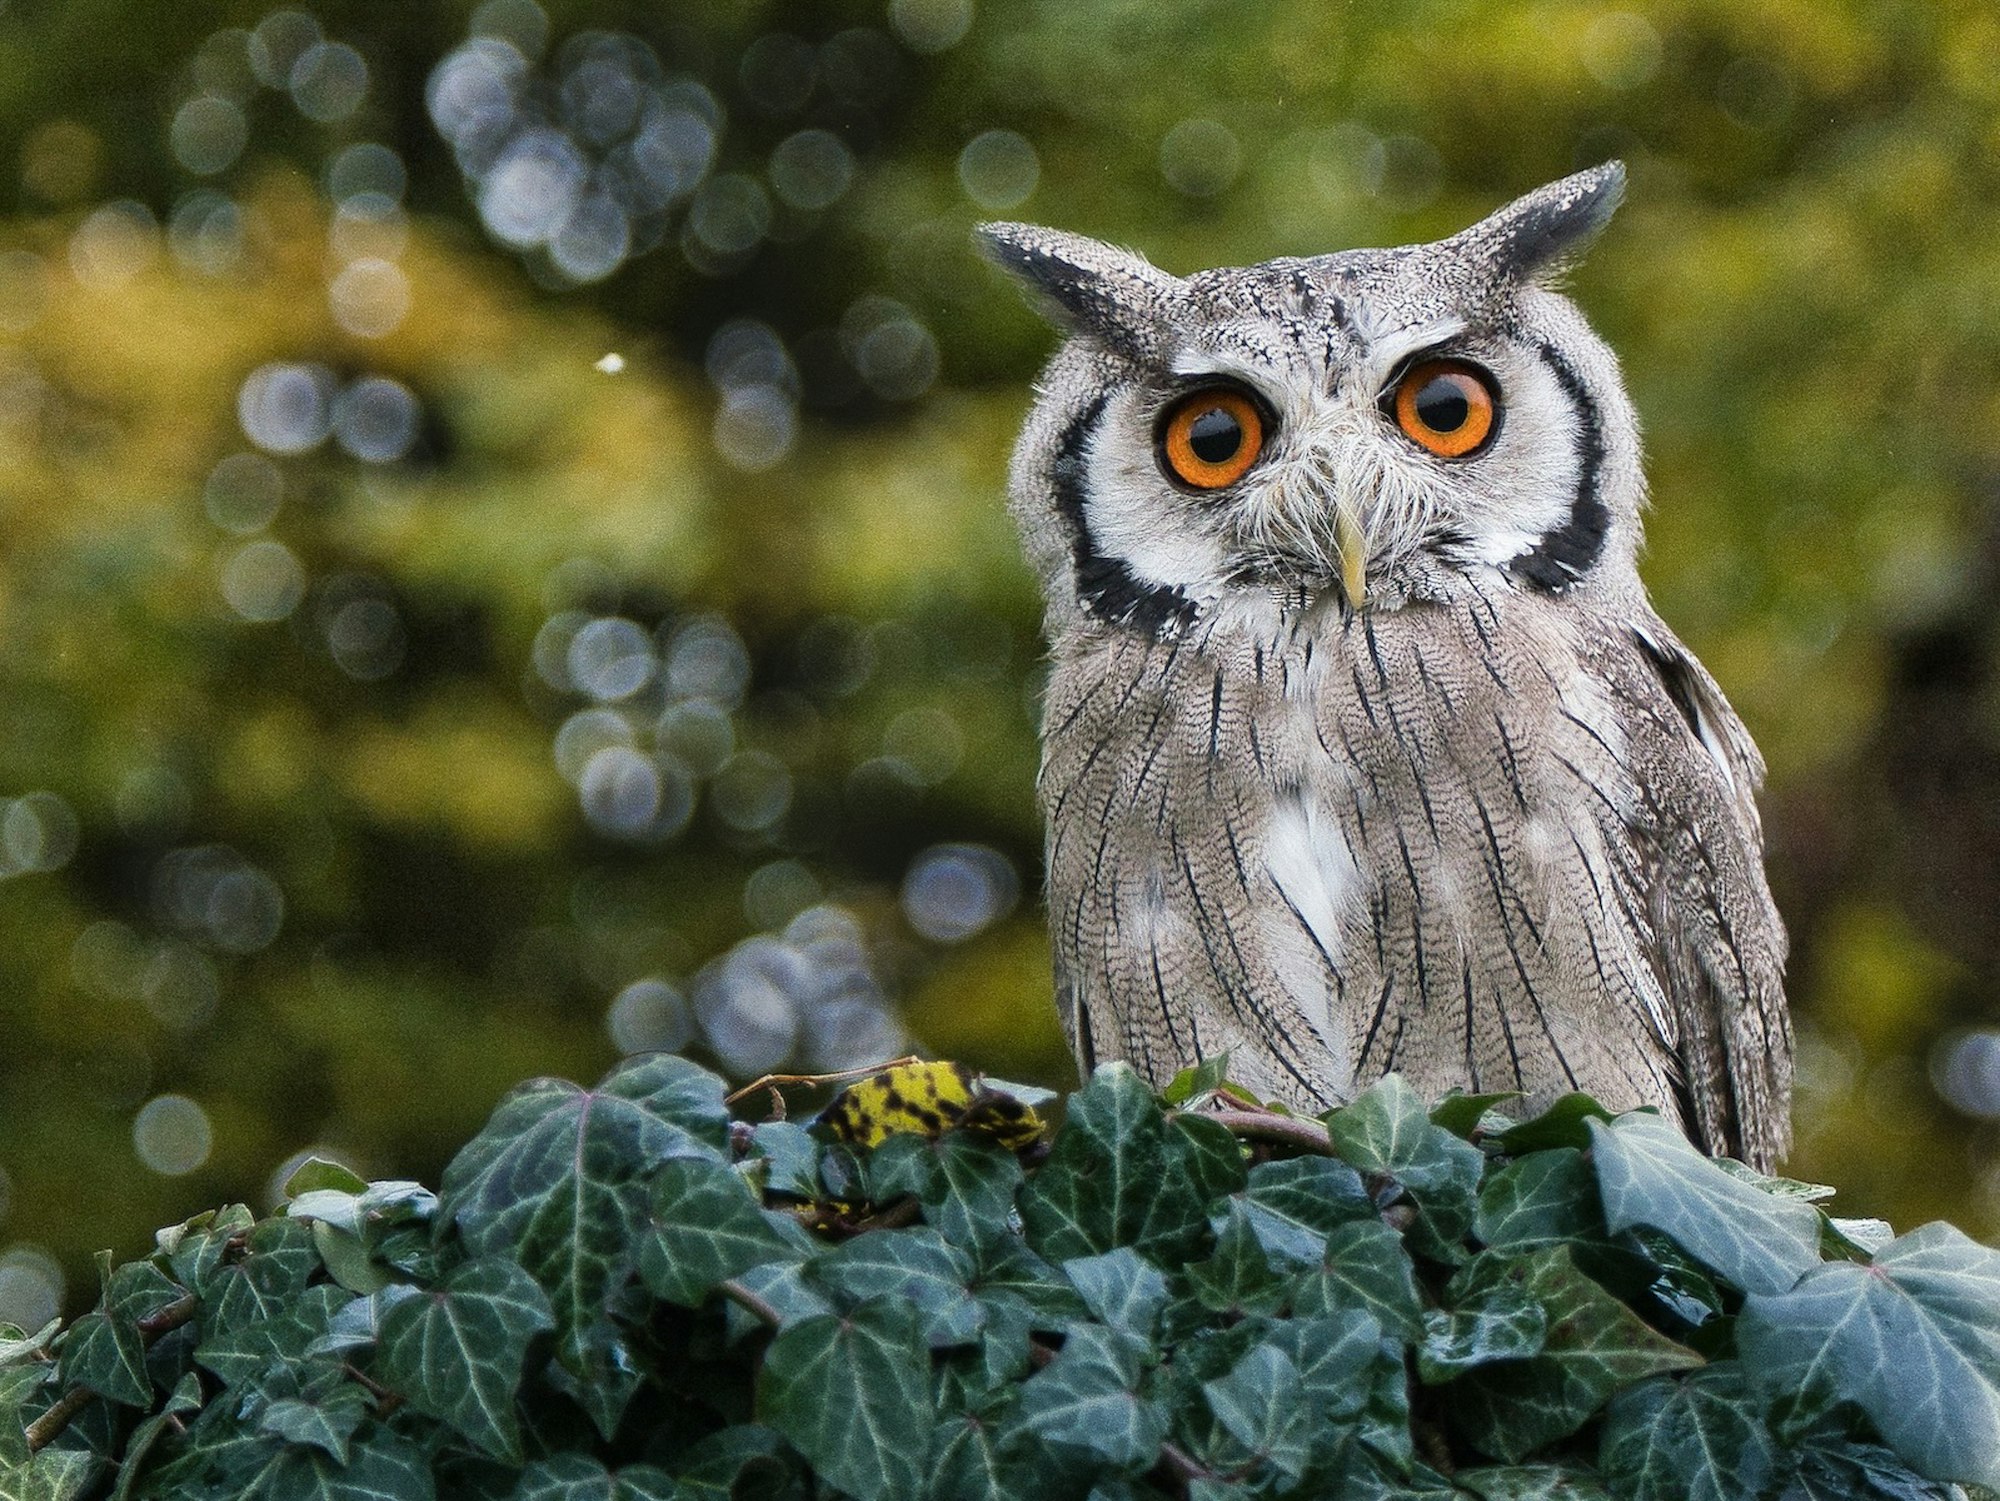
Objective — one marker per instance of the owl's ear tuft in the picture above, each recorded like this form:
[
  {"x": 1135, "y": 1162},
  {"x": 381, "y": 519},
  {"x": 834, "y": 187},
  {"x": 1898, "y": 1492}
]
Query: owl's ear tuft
[
  {"x": 1542, "y": 234},
  {"x": 1085, "y": 285}
]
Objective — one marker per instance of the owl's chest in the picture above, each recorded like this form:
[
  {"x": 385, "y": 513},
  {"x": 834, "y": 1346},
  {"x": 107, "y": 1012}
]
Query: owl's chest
[{"x": 1337, "y": 786}]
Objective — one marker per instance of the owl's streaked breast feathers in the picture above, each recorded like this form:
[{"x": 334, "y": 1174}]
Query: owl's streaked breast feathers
[{"x": 1364, "y": 749}]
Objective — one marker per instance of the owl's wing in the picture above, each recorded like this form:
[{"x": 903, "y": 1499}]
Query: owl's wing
[{"x": 1720, "y": 945}]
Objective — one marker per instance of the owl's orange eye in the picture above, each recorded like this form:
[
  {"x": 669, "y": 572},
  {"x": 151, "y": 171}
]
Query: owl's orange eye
[
  {"x": 1446, "y": 407},
  {"x": 1211, "y": 438}
]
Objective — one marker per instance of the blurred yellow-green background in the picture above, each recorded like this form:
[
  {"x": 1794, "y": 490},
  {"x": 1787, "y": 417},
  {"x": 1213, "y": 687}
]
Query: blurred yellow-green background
[{"x": 503, "y": 558}]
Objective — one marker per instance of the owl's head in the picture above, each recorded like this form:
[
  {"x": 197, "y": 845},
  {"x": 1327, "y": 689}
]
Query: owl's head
[{"x": 1346, "y": 428}]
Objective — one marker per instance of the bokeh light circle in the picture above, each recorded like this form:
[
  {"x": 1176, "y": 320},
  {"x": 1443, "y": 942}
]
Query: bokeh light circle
[{"x": 172, "y": 1135}]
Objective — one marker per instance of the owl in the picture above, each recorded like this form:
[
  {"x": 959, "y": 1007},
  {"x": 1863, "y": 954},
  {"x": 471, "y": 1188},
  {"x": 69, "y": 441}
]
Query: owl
[{"x": 1363, "y": 747}]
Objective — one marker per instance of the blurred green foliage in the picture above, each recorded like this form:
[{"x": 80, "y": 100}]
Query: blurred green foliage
[{"x": 290, "y": 824}]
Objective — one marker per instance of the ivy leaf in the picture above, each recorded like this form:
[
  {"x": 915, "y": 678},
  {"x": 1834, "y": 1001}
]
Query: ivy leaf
[
  {"x": 1364, "y": 1266},
  {"x": 579, "y": 1477},
  {"x": 789, "y": 1157},
  {"x": 1295, "y": 1203},
  {"x": 1595, "y": 1345},
  {"x": 54, "y": 1474},
  {"x": 557, "y": 1179},
  {"x": 915, "y": 1266},
  {"x": 104, "y": 1350},
  {"x": 735, "y": 1463},
  {"x": 18, "y": 1386},
  {"x": 1695, "y": 1438},
  {"x": 1492, "y": 1320},
  {"x": 1913, "y": 1340},
  {"x": 1088, "y": 1399},
  {"x": 385, "y": 1469},
  {"x": 1387, "y": 1130},
  {"x": 1332, "y": 1355},
  {"x": 1115, "y": 1176},
  {"x": 1204, "y": 1079},
  {"x": 966, "y": 1462},
  {"x": 1531, "y": 1483},
  {"x": 966, "y": 1182},
  {"x": 1238, "y": 1278},
  {"x": 783, "y": 1285},
  {"x": 325, "y": 1422},
  {"x": 705, "y": 1228},
  {"x": 1564, "y": 1124},
  {"x": 1861, "y": 1472},
  {"x": 1541, "y": 1200},
  {"x": 185, "y": 1398},
  {"x": 317, "y": 1174},
  {"x": 1648, "y": 1174},
  {"x": 248, "y": 1327},
  {"x": 852, "y": 1393},
  {"x": 1120, "y": 1289},
  {"x": 456, "y": 1351},
  {"x": 1261, "y": 1403},
  {"x": 1461, "y": 1113}
]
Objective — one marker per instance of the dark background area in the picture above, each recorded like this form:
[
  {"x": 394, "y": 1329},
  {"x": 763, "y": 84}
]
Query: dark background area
[{"x": 504, "y": 553}]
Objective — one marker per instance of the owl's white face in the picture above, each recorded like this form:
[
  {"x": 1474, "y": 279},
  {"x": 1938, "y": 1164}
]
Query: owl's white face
[{"x": 1332, "y": 427}]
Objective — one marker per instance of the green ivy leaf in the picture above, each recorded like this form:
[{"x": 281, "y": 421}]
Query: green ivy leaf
[
  {"x": 1490, "y": 1318},
  {"x": 195, "y": 1249},
  {"x": 1333, "y": 1354},
  {"x": 1542, "y": 1200},
  {"x": 852, "y": 1393},
  {"x": 1295, "y": 1203},
  {"x": 1531, "y": 1483},
  {"x": 1461, "y": 1113},
  {"x": 251, "y": 1329},
  {"x": 1695, "y": 1438},
  {"x": 1594, "y": 1346},
  {"x": 1861, "y": 1472},
  {"x": 1648, "y": 1174},
  {"x": 1238, "y": 1278},
  {"x": 783, "y": 1285},
  {"x": 104, "y": 1352},
  {"x": 1387, "y": 1130},
  {"x": 1205, "y": 1078},
  {"x": 1087, "y": 1399},
  {"x": 705, "y": 1227},
  {"x": 557, "y": 1181},
  {"x": 185, "y": 1398},
  {"x": 457, "y": 1351},
  {"x": 325, "y": 1422},
  {"x": 1913, "y": 1340},
  {"x": 1115, "y": 1176},
  {"x": 1566, "y": 1123},
  {"x": 385, "y": 1469},
  {"x": 1261, "y": 1404},
  {"x": 19, "y": 1385},
  {"x": 789, "y": 1154},
  {"x": 916, "y": 1266},
  {"x": 319, "y": 1173},
  {"x": 579, "y": 1477},
  {"x": 966, "y": 1463},
  {"x": 1120, "y": 1289},
  {"x": 54, "y": 1474},
  {"x": 1364, "y": 1266}
]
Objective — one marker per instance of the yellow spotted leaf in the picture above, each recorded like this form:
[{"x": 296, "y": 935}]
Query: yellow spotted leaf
[{"x": 929, "y": 1099}]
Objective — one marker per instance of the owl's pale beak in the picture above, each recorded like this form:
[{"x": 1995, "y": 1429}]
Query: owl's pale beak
[{"x": 1352, "y": 543}]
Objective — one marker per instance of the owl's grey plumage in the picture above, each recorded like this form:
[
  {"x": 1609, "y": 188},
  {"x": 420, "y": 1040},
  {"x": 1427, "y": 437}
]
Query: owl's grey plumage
[{"x": 1364, "y": 749}]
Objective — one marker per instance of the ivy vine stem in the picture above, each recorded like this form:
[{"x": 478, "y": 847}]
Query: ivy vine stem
[{"x": 1261, "y": 1125}]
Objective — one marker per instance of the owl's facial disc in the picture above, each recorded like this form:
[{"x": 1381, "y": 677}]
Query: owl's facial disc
[{"x": 1359, "y": 421}]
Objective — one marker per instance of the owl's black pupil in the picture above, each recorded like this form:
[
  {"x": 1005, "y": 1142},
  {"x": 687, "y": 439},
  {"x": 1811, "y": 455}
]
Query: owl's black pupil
[
  {"x": 1442, "y": 406},
  {"x": 1215, "y": 436}
]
